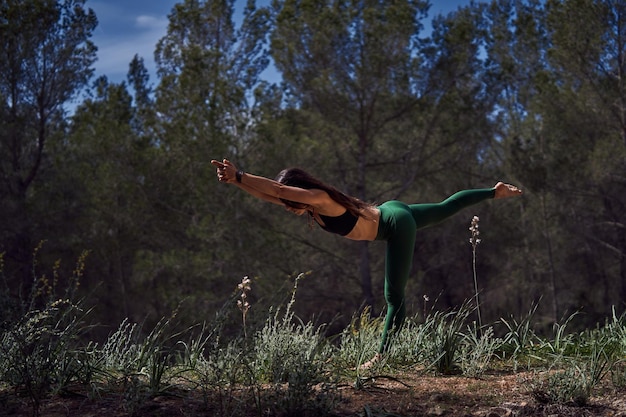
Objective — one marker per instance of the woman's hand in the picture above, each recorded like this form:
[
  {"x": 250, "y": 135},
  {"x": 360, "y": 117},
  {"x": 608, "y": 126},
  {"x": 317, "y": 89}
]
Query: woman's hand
[{"x": 226, "y": 170}]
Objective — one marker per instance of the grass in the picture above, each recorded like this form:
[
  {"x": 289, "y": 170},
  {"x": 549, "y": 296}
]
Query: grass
[
  {"x": 292, "y": 367},
  {"x": 288, "y": 367}
]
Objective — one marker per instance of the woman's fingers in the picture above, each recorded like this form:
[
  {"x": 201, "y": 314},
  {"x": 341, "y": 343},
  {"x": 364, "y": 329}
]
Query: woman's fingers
[{"x": 221, "y": 170}]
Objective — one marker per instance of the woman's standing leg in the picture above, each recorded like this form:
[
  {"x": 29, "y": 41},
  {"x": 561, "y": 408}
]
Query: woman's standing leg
[{"x": 398, "y": 261}]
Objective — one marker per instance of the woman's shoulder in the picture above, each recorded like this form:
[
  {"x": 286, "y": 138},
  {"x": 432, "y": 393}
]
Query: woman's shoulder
[{"x": 329, "y": 207}]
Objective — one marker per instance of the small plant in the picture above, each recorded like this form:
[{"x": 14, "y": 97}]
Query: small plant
[
  {"x": 121, "y": 350},
  {"x": 561, "y": 341},
  {"x": 594, "y": 359},
  {"x": 156, "y": 356},
  {"x": 358, "y": 343},
  {"x": 618, "y": 374},
  {"x": 603, "y": 353},
  {"x": 216, "y": 370},
  {"x": 561, "y": 387},
  {"x": 441, "y": 345},
  {"x": 243, "y": 303},
  {"x": 616, "y": 329},
  {"x": 402, "y": 350},
  {"x": 38, "y": 349},
  {"x": 37, "y": 352},
  {"x": 474, "y": 241},
  {"x": 520, "y": 335},
  {"x": 477, "y": 351},
  {"x": 141, "y": 364},
  {"x": 291, "y": 356}
]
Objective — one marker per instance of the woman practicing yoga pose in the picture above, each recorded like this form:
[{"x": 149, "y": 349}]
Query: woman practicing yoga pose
[{"x": 336, "y": 212}]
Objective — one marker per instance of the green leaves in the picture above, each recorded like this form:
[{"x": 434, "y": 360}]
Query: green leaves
[
  {"x": 524, "y": 91},
  {"x": 46, "y": 59}
]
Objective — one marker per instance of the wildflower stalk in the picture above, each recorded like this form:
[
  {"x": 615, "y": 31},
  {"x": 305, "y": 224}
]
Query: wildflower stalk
[
  {"x": 243, "y": 303},
  {"x": 293, "y": 294},
  {"x": 474, "y": 241}
]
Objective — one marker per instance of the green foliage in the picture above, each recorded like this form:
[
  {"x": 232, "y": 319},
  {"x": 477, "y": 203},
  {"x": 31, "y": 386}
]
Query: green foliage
[
  {"x": 562, "y": 387},
  {"x": 526, "y": 91},
  {"x": 410, "y": 345},
  {"x": 477, "y": 351},
  {"x": 444, "y": 337},
  {"x": 288, "y": 364},
  {"x": 291, "y": 355},
  {"x": 581, "y": 375},
  {"x": 47, "y": 58},
  {"x": 38, "y": 352},
  {"x": 128, "y": 355},
  {"x": 282, "y": 345},
  {"x": 39, "y": 348},
  {"x": 562, "y": 342},
  {"x": 358, "y": 342},
  {"x": 617, "y": 328},
  {"x": 141, "y": 363},
  {"x": 219, "y": 372},
  {"x": 373, "y": 104},
  {"x": 520, "y": 335}
]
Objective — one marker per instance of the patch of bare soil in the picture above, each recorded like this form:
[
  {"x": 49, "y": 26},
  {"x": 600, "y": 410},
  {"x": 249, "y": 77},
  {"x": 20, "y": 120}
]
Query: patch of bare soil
[{"x": 406, "y": 395}]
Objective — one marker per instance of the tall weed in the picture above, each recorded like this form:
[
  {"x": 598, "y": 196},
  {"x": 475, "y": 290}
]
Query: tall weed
[
  {"x": 520, "y": 337},
  {"x": 291, "y": 355},
  {"x": 38, "y": 352},
  {"x": 358, "y": 342},
  {"x": 38, "y": 349},
  {"x": 617, "y": 330},
  {"x": 595, "y": 356},
  {"x": 477, "y": 351},
  {"x": 140, "y": 363},
  {"x": 442, "y": 343},
  {"x": 403, "y": 349}
]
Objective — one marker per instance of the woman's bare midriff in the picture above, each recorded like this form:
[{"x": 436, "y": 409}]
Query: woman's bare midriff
[{"x": 366, "y": 228}]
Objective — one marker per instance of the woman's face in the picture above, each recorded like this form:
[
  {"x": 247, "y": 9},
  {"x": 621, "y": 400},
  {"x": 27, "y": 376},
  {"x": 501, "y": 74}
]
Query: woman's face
[
  {"x": 296, "y": 211},
  {"x": 296, "y": 208}
]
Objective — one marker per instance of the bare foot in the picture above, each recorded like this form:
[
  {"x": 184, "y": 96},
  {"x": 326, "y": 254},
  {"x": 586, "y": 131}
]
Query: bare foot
[
  {"x": 369, "y": 364},
  {"x": 506, "y": 190}
]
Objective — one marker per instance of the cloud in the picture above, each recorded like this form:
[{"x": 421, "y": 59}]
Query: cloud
[
  {"x": 151, "y": 22},
  {"x": 125, "y": 30}
]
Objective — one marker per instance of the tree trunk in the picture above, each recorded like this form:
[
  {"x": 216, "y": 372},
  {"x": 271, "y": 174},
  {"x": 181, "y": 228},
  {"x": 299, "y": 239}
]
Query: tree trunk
[{"x": 546, "y": 233}]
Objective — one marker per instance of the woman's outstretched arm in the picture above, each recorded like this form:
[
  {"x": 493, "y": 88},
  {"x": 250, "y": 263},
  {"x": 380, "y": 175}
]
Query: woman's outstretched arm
[
  {"x": 259, "y": 194},
  {"x": 222, "y": 177},
  {"x": 266, "y": 188}
]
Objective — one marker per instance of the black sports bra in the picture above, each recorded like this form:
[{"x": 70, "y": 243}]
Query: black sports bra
[{"x": 341, "y": 225}]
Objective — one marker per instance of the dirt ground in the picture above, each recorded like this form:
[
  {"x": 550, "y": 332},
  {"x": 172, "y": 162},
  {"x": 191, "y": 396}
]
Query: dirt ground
[{"x": 406, "y": 395}]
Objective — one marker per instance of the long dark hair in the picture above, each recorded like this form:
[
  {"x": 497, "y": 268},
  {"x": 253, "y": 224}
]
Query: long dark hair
[{"x": 296, "y": 177}]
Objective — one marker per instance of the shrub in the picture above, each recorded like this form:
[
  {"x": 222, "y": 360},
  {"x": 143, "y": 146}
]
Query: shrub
[
  {"x": 441, "y": 345},
  {"x": 477, "y": 351},
  {"x": 38, "y": 352},
  {"x": 38, "y": 347},
  {"x": 291, "y": 355}
]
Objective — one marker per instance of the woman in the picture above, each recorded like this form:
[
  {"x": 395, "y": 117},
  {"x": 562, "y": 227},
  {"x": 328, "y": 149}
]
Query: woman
[{"x": 336, "y": 212}]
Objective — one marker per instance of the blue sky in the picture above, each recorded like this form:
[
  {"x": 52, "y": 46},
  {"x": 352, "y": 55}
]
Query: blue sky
[{"x": 129, "y": 27}]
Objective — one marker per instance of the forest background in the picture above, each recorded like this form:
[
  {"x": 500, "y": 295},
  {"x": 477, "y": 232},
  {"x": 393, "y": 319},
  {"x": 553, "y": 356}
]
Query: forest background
[{"x": 528, "y": 92}]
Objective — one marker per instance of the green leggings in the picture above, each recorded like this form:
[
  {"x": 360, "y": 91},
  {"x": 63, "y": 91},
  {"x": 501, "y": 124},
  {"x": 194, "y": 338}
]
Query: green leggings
[{"x": 398, "y": 225}]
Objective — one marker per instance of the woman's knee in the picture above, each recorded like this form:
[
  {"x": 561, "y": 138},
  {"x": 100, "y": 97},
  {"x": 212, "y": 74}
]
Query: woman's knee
[{"x": 394, "y": 299}]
